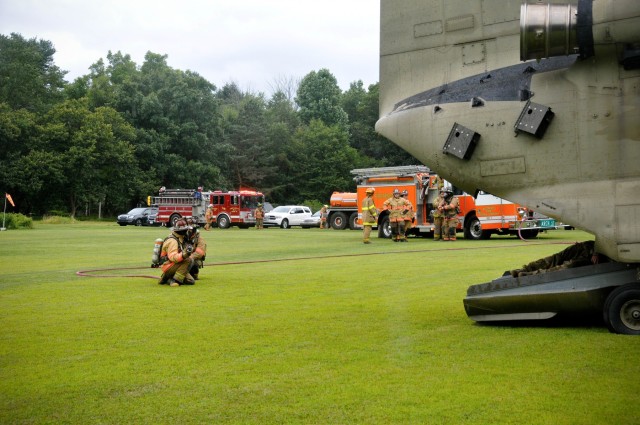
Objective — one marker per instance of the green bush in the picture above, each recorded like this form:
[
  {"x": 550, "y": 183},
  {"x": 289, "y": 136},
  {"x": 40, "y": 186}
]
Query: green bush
[
  {"x": 314, "y": 205},
  {"x": 57, "y": 219},
  {"x": 17, "y": 221}
]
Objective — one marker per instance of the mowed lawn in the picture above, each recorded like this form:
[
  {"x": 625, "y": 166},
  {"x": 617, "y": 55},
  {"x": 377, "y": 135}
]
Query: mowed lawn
[{"x": 297, "y": 326}]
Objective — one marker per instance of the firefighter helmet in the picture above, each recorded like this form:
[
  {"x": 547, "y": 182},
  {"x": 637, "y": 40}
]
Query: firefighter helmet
[
  {"x": 405, "y": 193},
  {"x": 370, "y": 190},
  {"x": 180, "y": 225}
]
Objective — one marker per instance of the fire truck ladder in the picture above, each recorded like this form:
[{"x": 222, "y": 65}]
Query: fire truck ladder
[
  {"x": 176, "y": 197},
  {"x": 401, "y": 171}
]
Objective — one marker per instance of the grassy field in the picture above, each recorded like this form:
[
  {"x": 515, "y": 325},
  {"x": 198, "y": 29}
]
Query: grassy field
[{"x": 290, "y": 326}]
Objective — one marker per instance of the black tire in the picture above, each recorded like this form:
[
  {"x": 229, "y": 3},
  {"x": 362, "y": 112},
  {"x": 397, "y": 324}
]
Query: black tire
[
  {"x": 173, "y": 219},
  {"x": 353, "y": 218},
  {"x": 339, "y": 221},
  {"x": 138, "y": 222},
  {"x": 384, "y": 229},
  {"x": 621, "y": 311},
  {"x": 122, "y": 224},
  {"x": 529, "y": 233},
  {"x": 285, "y": 224},
  {"x": 223, "y": 221},
  {"x": 473, "y": 229}
]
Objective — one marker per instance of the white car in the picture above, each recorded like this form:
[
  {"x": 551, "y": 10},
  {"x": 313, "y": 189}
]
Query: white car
[{"x": 287, "y": 215}]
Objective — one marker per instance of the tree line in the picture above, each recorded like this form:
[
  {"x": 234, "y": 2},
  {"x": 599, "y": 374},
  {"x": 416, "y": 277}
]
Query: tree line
[{"x": 117, "y": 134}]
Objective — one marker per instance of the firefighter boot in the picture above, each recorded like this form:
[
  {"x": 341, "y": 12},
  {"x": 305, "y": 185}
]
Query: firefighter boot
[{"x": 173, "y": 282}]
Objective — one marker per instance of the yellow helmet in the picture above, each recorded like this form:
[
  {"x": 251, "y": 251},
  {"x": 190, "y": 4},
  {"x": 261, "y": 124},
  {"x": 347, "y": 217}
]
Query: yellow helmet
[{"x": 370, "y": 190}]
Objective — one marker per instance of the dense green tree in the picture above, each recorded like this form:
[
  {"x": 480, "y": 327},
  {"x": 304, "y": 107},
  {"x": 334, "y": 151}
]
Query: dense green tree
[
  {"x": 28, "y": 77},
  {"x": 323, "y": 160},
  {"x": 362, "y": 107},
  {"x": 96, "y": 153},
  {"x": 120, "y": 132},
  {"x": 318, "y": 97}
]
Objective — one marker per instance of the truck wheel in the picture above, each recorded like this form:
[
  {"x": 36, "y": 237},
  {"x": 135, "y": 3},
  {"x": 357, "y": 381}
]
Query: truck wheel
[
  {"x": 529, "y": 233},
  {"x": 285, "y": 224},
  {"x": 621, "y": 310},
  {"x": 384, "y": 230},
  {"x": 223, "y": 222},
  {"x": 353, "y": 218},
  {"x": 174, "y": 219},
  {"x": 473, "y": 229},
  {"x": 339, "y": 221}
]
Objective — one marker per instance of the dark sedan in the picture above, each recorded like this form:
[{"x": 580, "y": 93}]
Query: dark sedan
[{"x": 137, "y": 216}]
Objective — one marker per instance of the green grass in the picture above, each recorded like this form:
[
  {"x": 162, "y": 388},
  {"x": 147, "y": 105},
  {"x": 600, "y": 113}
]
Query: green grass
[{"x": 332, "y": 332}]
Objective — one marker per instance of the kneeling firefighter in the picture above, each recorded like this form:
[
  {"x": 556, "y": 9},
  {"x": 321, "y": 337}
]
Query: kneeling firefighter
[{"x": 177, "y": 250}]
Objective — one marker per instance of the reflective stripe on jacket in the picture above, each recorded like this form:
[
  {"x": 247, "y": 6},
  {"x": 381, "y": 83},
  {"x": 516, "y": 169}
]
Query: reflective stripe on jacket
[{"x": 369, "y": 212}]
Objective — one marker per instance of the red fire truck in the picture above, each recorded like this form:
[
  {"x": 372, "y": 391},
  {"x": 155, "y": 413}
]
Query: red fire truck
[
  {"x": 234, "y": 208},
  {"x": 480, "y": 217}
]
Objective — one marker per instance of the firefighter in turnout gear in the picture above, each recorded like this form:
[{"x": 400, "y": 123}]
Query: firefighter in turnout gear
[
  {"x": 324, "y": 213},
  {"x": 438, "y": 217},
  {"x": 259, "y": 215},
  {"x": 369, "y": 214},
  {"x": 177, "y": 250},
  {"x": 199, "y": 253},
  {"x": 408, "y": 214},
  {"x": 208, "y": 216},
  {"x": 397, "y": 206},
  {"x": 449, "y": 208}
]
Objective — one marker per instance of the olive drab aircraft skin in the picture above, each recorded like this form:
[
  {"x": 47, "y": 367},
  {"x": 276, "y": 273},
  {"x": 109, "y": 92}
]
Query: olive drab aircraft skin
[{"x": 535, "y": 102}]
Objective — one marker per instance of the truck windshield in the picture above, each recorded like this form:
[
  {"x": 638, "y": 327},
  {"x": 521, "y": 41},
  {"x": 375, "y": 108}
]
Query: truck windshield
[{"x": 251, "y": 201}]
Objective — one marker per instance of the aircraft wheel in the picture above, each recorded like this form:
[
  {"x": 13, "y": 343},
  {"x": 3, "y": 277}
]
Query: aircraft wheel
[{"x": 622, "y": 310}]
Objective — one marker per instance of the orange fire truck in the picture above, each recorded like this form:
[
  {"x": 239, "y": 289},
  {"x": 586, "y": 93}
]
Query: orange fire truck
[
  {"x": 234, "y": 208},
  {"x": 480, "y": 217}
]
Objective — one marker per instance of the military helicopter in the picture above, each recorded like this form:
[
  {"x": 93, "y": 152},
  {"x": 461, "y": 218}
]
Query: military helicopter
[{"x": 536, "y": 102}]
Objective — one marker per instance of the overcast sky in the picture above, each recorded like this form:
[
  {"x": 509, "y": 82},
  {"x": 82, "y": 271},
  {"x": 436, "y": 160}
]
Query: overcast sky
[{"x": 253, "y": 43}]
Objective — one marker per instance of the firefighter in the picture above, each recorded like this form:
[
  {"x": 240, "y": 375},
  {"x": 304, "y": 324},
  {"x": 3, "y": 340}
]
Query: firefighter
[
  {"x": 177, "y": 250},
  {"x": 396, "y": 206},
  {"x": 438, "y": 217},
  {"x": 323, "y": 217},
  {"x": 199, "y": 253},
  {"x": 438, "y": 182},
  {"x": 409, "y": 215},
  {"x": 449, "y": 208},
  {"x": 369, "y": 214},
  {"x": 258, "y": 213},
  {"x": 208, "y": 216}
]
